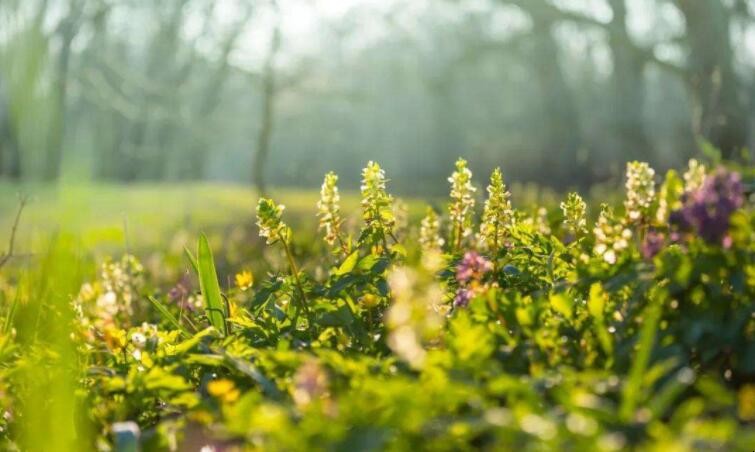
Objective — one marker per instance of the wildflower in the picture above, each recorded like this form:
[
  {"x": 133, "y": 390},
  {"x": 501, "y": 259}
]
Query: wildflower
[
  {"x": 652, "y": 245},
  {"x": 107, "y": 305},
  {"x": 429, "y": 232},
  {"x": 469, "y": 274},
  {"x": 178, "y": 292},
  {"x": 462, "y": 204},
  {"x": 193, "y": 302},
  {"x": 272, "y": 226},
  {"x": 401, "y": 215},
  {"x": 472, "y": 267},
  {"x": 87, "y": 292},
  {"x": 611, "y": 237},
  {"x": 269, "y": 221},
  {"x": 575, "y": 214},
  {"x": 108, "y": 301},
  {"x": 413, "y": 316},
  {"x": 310, "y": 383},
  {"x": 405, "y": 342},
  {"x": 707, "y": 210},
  {"x": 224, "y": 390},
  {"x": 377, "y": 204},
  {"x": 369, "y": 300},
  {"x": 541, "y": 221},
  {"x": 497, "y": 214},
  {"x": 640, "y": 189},
  {"x": 461, "y": 300},
  {"x": 244, "y": 280},
  {"x": 142, "y": 337},
  {"x": 669, "y": 197},
  {"x": 694, "y": 176},
  {"x": 121, "y": 281},
  {"x": 139, "y": 340},
  {"x": 329, "y": 210}
]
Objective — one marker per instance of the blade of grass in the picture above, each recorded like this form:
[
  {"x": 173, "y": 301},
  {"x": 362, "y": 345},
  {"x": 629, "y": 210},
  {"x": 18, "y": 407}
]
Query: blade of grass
[
  {"x": 208, "y": 282},
  {"x": 168, "y": 316},
  {"x": 646, "y": 340},
  {"x": 192, "y": 260},
  {"x": 11, "y": 312}
]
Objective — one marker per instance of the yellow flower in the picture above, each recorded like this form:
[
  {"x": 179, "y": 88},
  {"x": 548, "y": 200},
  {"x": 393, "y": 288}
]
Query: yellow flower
[
  {"x": 747, "y": 403},
  {"x": 244, "y": 280},
  {"x": 223, "y": 389},
  {"x": 370, "y": 300}
]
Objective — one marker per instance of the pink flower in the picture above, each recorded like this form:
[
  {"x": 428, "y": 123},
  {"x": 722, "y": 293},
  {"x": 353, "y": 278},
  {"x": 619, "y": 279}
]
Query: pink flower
[{"x": 472, "y": 267}]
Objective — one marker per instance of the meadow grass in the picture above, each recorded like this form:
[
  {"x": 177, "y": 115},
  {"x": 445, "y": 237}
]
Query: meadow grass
[{"x": 102, "y": 215}]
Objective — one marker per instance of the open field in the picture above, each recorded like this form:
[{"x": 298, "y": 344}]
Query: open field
[{"x": 101, "y": 214}]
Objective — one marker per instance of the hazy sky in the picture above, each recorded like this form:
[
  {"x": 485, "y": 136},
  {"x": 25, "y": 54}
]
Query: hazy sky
[{"x": 302, "y": 22}]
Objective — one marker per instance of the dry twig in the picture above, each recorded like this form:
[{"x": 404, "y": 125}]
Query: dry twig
[{"x": 12, "y": 240}]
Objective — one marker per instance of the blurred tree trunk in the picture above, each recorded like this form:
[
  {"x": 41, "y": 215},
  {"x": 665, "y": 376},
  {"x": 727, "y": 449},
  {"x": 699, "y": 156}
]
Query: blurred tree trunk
[
  {"x": 628, "y": 89},
  {"x": 210, "y": 99},
  {"x": 108, "y": 124},
  {"x": 267, "y": 105},
  {"x": 10, "y": 159},
  {"x": 67, "y": 30},
  {"x": 561, "y": 125},
  {"x": 721, "y": 115},
  {"x": 142, "y": 158}
]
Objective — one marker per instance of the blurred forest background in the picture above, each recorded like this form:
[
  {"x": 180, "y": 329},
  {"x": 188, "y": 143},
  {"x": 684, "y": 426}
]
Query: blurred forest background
[{"x": 276, "y": 93}]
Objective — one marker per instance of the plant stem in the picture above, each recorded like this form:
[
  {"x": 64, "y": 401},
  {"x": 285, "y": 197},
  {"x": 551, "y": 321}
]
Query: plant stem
[
  {"x": 295, "y": 273},
  {"x": 342, "y": 244},
  {"x": 457, "y": 236}
]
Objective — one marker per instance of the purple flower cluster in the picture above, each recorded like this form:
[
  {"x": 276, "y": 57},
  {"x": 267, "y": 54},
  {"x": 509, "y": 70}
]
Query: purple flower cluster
[
  {"x": 707, "y": 210},
  {"x": 652, "y": 245},
  {"x": 471, "y": 270},
  {"x": 461, "y": 300},
  {"x": 178, "y": 293},
  {"x": 472, "y": 267},
  {"x": 181, "y": 292}
]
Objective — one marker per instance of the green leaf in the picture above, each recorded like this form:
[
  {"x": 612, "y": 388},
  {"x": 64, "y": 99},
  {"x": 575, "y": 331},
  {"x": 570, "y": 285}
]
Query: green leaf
[
  {"x": 192, "y": 259},
  {"x": 399, "y": 249},
  {"x": 11, "y": 313},
  {"x": 597, "y": 300},
  {"x": 561, "y": 304},
  {"x": 596, "y": 304},
  {"x": 208, "y": 283},
  {"x": 250, "y": 370},
  {"x": 341, "y": 284},
  {"x": 190, "y": 343},
  {"x": 471, "y": 342},
  {"x": 380, "y": 266},
  {"x": 160, "y": 378},
  {"x": 368, "y": 261},
  {"x": 337, "y": 317},
  {"x": 202, "y": 359},
  {"x": 168, "y": 316},
  {"x": 348, "y": 264}
]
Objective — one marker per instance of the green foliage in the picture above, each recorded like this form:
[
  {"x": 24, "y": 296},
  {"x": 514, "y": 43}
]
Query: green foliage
[
  {"x": 402, "y": 340},
  {"x": 208, "y": 282}
]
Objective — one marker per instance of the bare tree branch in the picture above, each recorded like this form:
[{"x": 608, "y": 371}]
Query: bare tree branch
[
  {"x": 551, "y": 12},
  {"x": 12, "y": 240}
]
